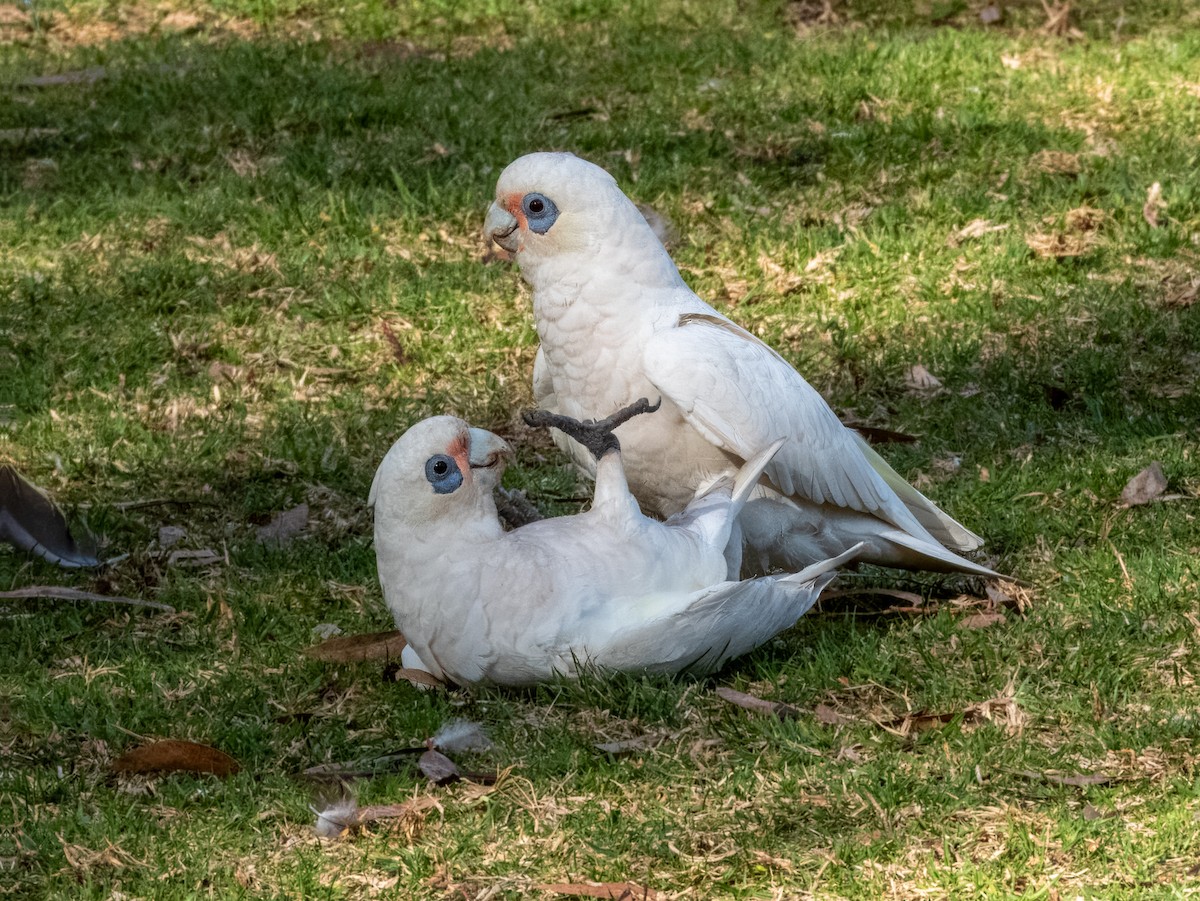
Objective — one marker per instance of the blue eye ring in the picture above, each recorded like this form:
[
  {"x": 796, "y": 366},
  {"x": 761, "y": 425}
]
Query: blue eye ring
[
  {"x": 540, "y": 212},
  {"x": 442, "y": 472}
]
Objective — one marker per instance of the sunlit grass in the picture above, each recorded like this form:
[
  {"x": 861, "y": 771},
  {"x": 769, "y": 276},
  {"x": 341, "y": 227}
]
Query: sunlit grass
[{"x": 244, "y": 257}]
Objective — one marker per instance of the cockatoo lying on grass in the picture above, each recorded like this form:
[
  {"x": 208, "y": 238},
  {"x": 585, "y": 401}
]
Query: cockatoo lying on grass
[
  {"x": 609, "y": 588},
  {"x": 616, "y": 321}
]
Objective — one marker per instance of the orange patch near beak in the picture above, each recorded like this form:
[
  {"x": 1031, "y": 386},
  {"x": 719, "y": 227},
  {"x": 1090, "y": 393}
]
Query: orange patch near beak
[
  {"x": 460, "y": 450},
  {"x": 512, "y": 203}
]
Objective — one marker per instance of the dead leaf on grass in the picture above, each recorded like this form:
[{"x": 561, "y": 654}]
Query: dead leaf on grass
[
  {"x": 919, "y": 721},
  {"x": 920, "y": 379},
  {"x": 438, "y": 768},
  {"x": 647, "y": 742},
  {"x": 913, "y": 602},
  {"x": 982, "y": 620},
  {"x": 284, "y": 526},
  {"x": 615, "y": 891},
  {"x": 417, "y": 677},
  {"x": 758, "y": 705},
  {"x": 61, "y": 593},
  {"x": 1154, "y": 205},
  {"x": 976, "y": 228},
  {"x": 827, "y": 716},
  {"x": 762, "y": 858},
  {"x": 1078, "y": 780},
  {"x": 1144, "y": 487},
  {"x": 203, "y": 557},
  {"x": 357, "y": 648},
  {"x": 174, "y": 756},
  {"x": 168, "y": 536}
]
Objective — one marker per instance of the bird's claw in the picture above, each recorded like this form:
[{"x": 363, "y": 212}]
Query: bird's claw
[{"x": 596, "y": 436}]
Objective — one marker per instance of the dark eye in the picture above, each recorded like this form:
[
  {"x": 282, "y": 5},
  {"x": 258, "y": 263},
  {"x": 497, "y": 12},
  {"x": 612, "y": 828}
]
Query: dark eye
[
  {"x": 443, "y": 473},
  {"x": 540, "y": 212}
]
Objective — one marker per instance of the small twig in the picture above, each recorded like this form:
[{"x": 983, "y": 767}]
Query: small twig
[
  {"x": 156, "y": 502},
  {"x": 72, "y": 594},
  {"x": 1124, "y": 571}
]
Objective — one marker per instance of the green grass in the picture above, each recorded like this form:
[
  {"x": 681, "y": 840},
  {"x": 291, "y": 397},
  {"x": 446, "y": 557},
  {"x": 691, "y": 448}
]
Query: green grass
[{"x": 198, "y": 271}]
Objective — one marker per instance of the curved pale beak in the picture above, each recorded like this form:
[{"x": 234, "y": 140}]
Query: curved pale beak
[
  {"x": 485, "y": 449},
  {"x": 501, "y": 226}
]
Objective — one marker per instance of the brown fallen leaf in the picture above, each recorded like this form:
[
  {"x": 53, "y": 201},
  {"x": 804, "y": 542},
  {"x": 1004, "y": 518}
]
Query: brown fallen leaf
[
  {"x": 982, "y": 620},
  {"x": 71, "y": 594},
  {"x": 1154, "y": 205},
  {"x": 1079, "y": 780},
  {"x": 920, "y": 721},
  {"x": 918, "y": 378},
  {"x": 418, "y": 677},
  {"x": 758, "y": 705},
  {"x": 646, "y": 742},
  {"x": 911, "y": 601},
  {"x": 284, "y": 526},
  {"x": 976, "y": 228},
  {"x": 1144, "y": 487},
  {"x": 827, "y": 716},
  {"x": 175, "y": 756},
  {"x": 203, "y": 557},
  {"x": 615, "y": 891},
  {"x": 357, "y": 648},
  {"x": 438, "y": 768}
]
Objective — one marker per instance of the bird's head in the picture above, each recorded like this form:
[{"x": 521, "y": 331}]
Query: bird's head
[
  {"x": 551, "y": 205},
  {"x": 439, "y": 468}
]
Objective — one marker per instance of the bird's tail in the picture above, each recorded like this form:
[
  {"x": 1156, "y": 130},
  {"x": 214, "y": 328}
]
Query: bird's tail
[
  {"x": 816, "y": 570},
  {"x": 747, "y": 477}
]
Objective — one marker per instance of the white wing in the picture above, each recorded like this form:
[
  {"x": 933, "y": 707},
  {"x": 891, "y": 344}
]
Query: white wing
[{"x": 741, "y": 395}]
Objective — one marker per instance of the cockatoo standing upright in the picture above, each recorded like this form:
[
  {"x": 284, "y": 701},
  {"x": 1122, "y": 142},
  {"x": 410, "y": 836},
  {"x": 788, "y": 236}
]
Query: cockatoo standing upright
[
  {"x": 616, "y": 321},
  {"x": 608, "y": 588}
]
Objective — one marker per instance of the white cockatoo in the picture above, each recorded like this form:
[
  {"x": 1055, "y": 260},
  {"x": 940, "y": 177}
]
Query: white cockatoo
[
  {"x": 616, "y": 320},
  {"x": 608, "y": 588}
]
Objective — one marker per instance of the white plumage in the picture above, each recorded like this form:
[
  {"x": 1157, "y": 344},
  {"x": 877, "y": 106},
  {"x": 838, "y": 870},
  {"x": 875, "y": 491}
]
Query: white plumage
[
  {"x": 608, "y": 588},
  {"x": 616, "y": 321}
]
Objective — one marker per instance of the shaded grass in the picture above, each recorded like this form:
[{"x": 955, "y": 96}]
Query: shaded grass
[{"x": 200, "y": 282}]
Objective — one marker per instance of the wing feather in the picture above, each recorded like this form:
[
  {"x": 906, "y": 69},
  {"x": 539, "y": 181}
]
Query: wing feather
[{"x": 741, "y": 395}]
